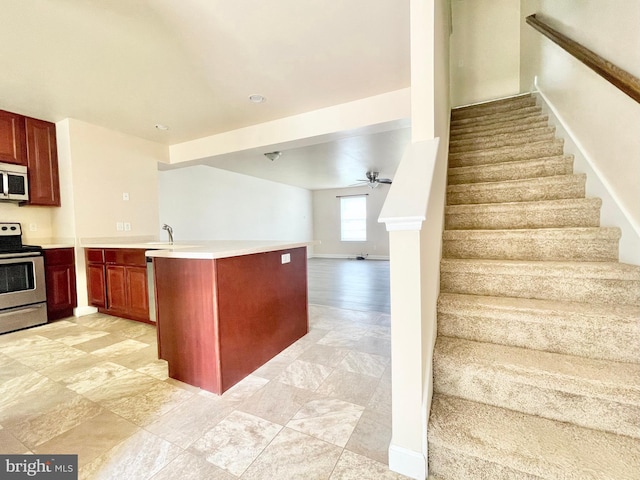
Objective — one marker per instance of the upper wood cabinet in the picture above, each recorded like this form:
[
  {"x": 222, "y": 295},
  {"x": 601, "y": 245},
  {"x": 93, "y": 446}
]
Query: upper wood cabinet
[
  {"x": 31, "y": 142},
  {"x": 42, "y": 163},
  {"x": 13, "y": 147}
]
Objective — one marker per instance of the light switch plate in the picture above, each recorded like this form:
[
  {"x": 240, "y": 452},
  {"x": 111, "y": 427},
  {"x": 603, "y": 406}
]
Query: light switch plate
[{"x": 286, "y": 257}]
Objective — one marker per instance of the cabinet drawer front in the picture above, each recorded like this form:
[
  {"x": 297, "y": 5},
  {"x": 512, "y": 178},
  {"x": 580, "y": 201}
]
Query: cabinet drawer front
[
  {"x": 58, "y": 256},
  {"x": 94, "y": 255},
  {"x": 125, "y": 256}
]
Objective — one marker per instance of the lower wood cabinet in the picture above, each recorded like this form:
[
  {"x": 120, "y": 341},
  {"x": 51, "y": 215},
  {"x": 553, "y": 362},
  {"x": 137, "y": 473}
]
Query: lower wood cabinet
[
  {"x": 97, "y": 288},
  {"x": 117, "y": 282},
  {"x": 60, "y": 277}
]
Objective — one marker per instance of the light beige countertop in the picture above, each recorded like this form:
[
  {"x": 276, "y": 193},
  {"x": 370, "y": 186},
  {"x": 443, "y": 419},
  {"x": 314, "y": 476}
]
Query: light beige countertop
[
  {"x": 224, "y": 248},
  {"x": 50, "y": 243},
  {"x": 198, "y": 249}
]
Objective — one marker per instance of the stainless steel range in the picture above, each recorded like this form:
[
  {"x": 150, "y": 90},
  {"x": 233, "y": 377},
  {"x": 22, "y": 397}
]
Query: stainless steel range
[{"x": 23, "y": 296}]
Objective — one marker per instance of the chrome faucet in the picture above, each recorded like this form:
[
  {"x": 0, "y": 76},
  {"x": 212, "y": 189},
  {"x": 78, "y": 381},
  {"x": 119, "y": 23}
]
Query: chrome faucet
[{"x": 169, "y": 231}]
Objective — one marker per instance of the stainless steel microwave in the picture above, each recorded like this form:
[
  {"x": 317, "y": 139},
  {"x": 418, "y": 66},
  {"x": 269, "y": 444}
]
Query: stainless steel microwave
[{"x": 14, "y": 184}]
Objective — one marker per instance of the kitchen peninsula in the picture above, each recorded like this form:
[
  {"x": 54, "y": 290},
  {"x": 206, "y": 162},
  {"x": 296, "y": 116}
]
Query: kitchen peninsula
[{"x": 225, "y": 308}]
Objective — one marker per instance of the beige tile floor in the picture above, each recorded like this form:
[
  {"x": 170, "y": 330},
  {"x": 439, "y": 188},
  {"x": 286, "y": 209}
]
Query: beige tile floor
[{"x": 93, "y": 386}]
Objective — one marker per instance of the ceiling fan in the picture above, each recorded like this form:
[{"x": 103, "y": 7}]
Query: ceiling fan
[{"x": 372, "y": 180}]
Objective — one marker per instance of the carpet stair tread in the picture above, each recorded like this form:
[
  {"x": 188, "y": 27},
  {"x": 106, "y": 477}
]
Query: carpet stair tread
[
  {"x": 502, "y": 140},
  {"x": 608, "y": 332},
  {"x": 598, "y": 394},
  {"x": 590, "y": 282},
  {"x": 507, "y": 154},
  {"x": 560, "y": 244},
  {"x": 483, "y": 441},
  {"x": 579, "y": 212},
  {"x": 516, "y": 170},
  {"x": 502, "y": 105},
  {"x": 522, "y": 190}
]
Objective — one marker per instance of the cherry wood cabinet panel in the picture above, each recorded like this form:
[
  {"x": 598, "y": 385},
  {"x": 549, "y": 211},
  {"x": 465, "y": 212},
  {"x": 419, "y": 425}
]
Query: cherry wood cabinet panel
[
  {"x": 59, "y": 256},
  {"x": 125, "y": 256},
  {"x": 94, "y": 255},
  {"x": 262, "y": 309},
  {"x": 116, "y": 289},
  {"x": 60, "y": 277},
  {"x": 124, "y": 282},
  {"x": 187, "y": 336},
  {"x": 137, "y": 292},
  {"x": 12, "y": 138},
  {"x": 42, "y": 163},
  {"x": 96, "y": 286},
  {"x": 219, "y": 320}
]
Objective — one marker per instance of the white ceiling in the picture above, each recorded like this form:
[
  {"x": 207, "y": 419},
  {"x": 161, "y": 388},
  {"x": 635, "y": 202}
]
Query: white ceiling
[{"x": 191, "y": 64}]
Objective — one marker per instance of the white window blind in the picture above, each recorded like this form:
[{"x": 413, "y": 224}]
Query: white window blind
[{"x": 353, "y": 219}]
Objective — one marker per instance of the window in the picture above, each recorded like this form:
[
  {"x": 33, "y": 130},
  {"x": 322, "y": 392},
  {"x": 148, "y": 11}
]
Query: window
[{"x": 353, "y": 219}]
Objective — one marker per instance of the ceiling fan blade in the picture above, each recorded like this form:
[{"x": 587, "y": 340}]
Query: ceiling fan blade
[
  {"x": 384, "y": 180},
  {"x": 361, "y": 183}
]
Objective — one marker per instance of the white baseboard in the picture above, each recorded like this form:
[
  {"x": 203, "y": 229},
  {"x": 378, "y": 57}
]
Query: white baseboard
[
  {"x": 82, "y": 311},
  {"x": 346, "y": 257},
  {"x": 407, "y": 462}
]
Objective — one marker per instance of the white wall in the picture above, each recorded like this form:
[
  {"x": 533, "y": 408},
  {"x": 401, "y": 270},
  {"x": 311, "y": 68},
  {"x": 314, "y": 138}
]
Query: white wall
[
  {"x": 26, "y": 216},
  {"x": 204, "y": 203},
  {"x": 96, "y": 166},
  {"x": 603, "y": 123},
  {"x": 104, "y": 165},
  {"x": 326, "y": 224},
  {"x": 485, "y": 50}
]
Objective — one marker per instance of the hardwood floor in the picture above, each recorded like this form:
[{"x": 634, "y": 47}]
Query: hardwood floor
[{"x": 350, "y": 284}]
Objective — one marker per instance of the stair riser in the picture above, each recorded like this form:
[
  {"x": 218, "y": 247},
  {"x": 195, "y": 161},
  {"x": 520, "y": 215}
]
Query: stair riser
[
  {"x": 598, "y": 290},
  {"x": 501, "y": 128},
  {"x": 489, "y": 157},
  {"x": 505, "y": 389},
  {"x": 491, "y": 118},
  {"x": 511, "y": 171},
  {"x": 527, "y": 191},
  {"x": 476, "y": 144},
  {"x": 520, "y": 216},
  {"x": 519, "y": 442},
  {"x": 474, "y": 111},
  {"x": 585, "y": 337},
  {"x": 446, "y": 464},
  {"x": 532, "y": 248}
]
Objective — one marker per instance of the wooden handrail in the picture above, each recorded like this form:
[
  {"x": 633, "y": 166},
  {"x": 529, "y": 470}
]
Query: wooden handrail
[{"x": 622, "y": 79}]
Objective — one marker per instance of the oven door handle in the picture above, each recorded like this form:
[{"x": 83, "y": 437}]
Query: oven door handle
[
  {"x": 22, "y": 310},
  {"x": 20, "y": 255}
]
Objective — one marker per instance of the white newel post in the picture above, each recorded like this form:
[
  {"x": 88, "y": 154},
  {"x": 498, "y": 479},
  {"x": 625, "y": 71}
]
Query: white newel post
[
  {"x": 404, "y": 213},
  {"x": 405, "y": 450}
]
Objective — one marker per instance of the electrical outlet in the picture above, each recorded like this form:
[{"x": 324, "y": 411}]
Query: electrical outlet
[
  {"x": 33, "y": 227},
  {"x": 125, "y": 196},
  {"x": 127, "y": 227},
  {"x": 119, "y": 226}
]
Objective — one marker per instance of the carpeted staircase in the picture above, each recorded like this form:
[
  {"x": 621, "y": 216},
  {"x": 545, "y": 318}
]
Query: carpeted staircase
[{"x": 537, "y": 360}]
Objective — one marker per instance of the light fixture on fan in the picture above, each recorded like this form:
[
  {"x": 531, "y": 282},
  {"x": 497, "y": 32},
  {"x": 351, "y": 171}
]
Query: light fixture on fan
[{"x": 273, "y": 155}]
